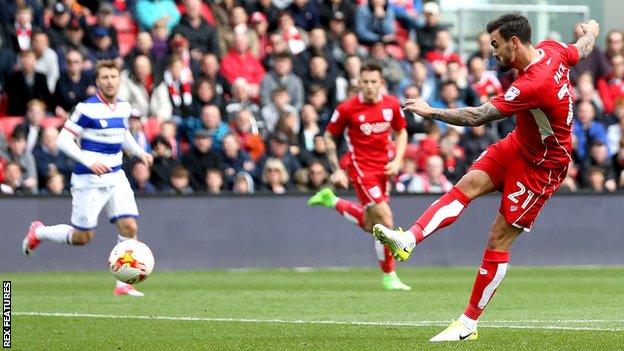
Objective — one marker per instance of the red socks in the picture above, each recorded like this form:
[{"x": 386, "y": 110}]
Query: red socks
[
  {"x": 440, "y": 214},
  {"x": 491, "y": 274},
  {"x": 353, "y": 212},
  {"x": 386, "y": 261}
]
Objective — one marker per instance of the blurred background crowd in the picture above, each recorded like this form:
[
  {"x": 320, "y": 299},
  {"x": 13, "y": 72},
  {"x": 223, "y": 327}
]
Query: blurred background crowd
[{"x": 234, "y": 96}]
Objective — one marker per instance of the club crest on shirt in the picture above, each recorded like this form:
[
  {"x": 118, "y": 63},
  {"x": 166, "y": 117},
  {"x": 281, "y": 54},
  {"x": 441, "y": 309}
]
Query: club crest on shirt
[
  {"x": 387, "y": 114},
  {"x": 511, "y": 93},
  {"x": 361, "y": 118},
  {"x": 104, "y": 123}
]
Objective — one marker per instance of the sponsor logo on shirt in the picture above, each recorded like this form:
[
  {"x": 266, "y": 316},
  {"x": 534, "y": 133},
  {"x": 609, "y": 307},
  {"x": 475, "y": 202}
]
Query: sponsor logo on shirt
[
  {"x": 387, "y": 114},
  {"x": 511, "y": 93},
  {"x": 370, "y": 128}
]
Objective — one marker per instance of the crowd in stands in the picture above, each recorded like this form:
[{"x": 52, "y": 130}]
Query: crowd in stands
[{"x": 234, "y": 96}]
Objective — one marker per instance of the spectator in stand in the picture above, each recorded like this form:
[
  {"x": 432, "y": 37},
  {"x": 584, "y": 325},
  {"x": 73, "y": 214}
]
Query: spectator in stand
[
  {"x": 312, "y": 178},
  {"x": 61, "y": 17},
  {"x": 144, "y": 46},
  {"x": 245, "y": 128},
  {"x": 611, "y": 87},
  {"x": 17, "y": 152},
  {"x": 343, "y": 10},
  {"x": 74, "y": 85},
  {"x": 104, "y": 20},
  {"x": 202, "y": 37},
  {"x": 349, "y": 77},
  {"x": 416, "y": 125},
  {"x": 180, "y": 49},
  {"x": 275, "y": 177},
  {"x": 586, "y": 130},
  {"x": 210, "y": 70},
  {"x": 317, "y": 97},
  {"x": 47, "y": 60},
  {"x": 426, "y": 35},
  {"x": 391, "y": 72},
  {"x": 295, "y": 37},
  {"x": 337, "y": 28},
  {"x": 449, "y": 98},
  {"x": 309, "y": 127},
  {"x": 103, "y": 48},
  {"x": 319, "y": 153},
  {"x": 151, "y": 11},
  {"x": 615, "y": 132},
  {"x": 349, "y": 46},
  {"x": 407, "y": 13},
  {"x": 260, "y": 27},
  {"x": 31, "y": 128},
  {"x": 596, "y": 179},
  {"x": 596, "y": 63},
  {"x": 240, "y": 62},
  {"x": 280, "y": 104},
  {"x": 484, "y": 83},
  {"x": 277, "y": 45},
  {"x": 160, "y": 37},
  {"x": 26, "y": 84},
  {"x": 411, "y": 54},
  {"x": 140, "y": 174},
  {"x": 75, "y": 35},
  {"x": 281, "y": 76},
  {"x": 615, "y": 43},
  {"x": 457, "y": 73},
  {"x": 49, "y": 159},
  {"x": 214, "y": 181},
  {"x": 178, "y": 106},
  {"x": 200, "y": 158},
  {"x": 235, "y": 160},
  {"x": 279, "y": 149},
  {"x": 241, "y": 99},
  {"x": 18, "y": 32},
  {"x": 442, "y": 54},
  {"x": 484, "y": 51},
  {"x": 288, "y": 124},
  {"x": 142, "y": 89},
  {"x": 169, "y": 130},
  {"x": 13, "y": 183},
  {"x": 237, "y": 23},
  {"x": 318, "y": 74},
  {"x": 212, "y": 122},
  {"x": 599, "y": 158},
  {"x": 164, "y": 163},
  {"x": 477, "y": 140},
  {"x": 204, "y": 94},
  {"x": 135, "y": 127},
  {"x": 7, "y": 62},
  {"x": 305, "y": 13},
  {"x": 317, "y": 45},
  {"x": 423, "y": 80},
  {"x": 179, "y": 181},
  {"x": 570, "y": 184},
  {"x": 243, "y": 183},
  {"x": 453, "y": 155},
  {"x": 55, "y": 185},
  {"x": 374, "y": 22},
  {"x": 585, "y": 90},
  {"x": 432, "y": 180},
  {"x": 267, "y": 9}
]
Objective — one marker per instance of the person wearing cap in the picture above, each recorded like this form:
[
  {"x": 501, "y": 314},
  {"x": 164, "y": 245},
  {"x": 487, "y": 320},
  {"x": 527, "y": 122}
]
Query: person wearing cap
[
  {"x": 104, "y": 22},
  {"x": 425, "y": 35},
  {"x": 61, "y": 17},
  {"x": 103, "y": 48},
  {"x": 200, "y": 158},
  {"x": 267, "y": 9},
  {"x": 201, "y": 36},
  {"x": 149, "y": 12}
]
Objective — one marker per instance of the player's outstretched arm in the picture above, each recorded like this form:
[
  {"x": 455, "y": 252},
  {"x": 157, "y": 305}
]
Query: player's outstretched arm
[
  {"x": 586, "y": 43},
  {"x": 465, "y": 116}
]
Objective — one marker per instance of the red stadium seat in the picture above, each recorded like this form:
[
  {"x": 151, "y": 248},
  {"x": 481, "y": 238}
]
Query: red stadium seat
[
  {"x": 151, "y": 128},
  {"x": 126, "y": 32},
  {"x": 55, "y": 122},
  {"x": 8, "y": 123}
]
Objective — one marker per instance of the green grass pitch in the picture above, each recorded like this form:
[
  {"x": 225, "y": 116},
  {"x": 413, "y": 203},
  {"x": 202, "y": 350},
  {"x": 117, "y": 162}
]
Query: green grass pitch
[{"x": 536, "y": 308}]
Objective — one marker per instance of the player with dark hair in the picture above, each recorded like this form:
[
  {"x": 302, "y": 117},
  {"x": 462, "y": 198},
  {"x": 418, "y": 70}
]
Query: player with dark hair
[
  {"x": 527, "y": 166},
  {"x": 369, "y": 119}
]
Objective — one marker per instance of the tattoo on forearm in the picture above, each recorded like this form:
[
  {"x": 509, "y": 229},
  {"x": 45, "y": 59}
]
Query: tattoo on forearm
[
  {"x": 585, "y": 45},
  {"x": 468, "y": 116}
]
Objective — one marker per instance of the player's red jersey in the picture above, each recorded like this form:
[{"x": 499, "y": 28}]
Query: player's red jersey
[
  {"x": 540, "y": 99},
  {"x": 368, "y": 130}
]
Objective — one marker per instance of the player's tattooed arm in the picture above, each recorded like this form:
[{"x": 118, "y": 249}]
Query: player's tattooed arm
[
  {"x": 465, "y": 116},
  {"x": 586, "y": 43}
]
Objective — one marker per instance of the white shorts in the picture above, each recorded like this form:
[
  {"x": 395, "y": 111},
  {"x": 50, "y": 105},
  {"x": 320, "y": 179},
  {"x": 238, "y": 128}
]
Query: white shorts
[{"x": 87, "y": 203}]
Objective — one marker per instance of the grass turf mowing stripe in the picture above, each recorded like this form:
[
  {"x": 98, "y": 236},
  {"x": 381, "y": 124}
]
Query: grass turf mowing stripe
[{"x": 485, "y": 324}]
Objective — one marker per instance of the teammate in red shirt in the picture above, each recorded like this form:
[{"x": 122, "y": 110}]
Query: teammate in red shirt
[
  {"x": 368, "y": 119},
  {"x": 527, "y": 166}
]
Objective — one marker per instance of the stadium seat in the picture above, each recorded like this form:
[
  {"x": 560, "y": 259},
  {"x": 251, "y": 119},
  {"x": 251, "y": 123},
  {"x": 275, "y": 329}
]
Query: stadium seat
[
  {"x": 55, "y": 122},
  {"x": 151, "y": 128},
  {"x": 8, "y": 123},
  {"x": 126, "y": 32}
]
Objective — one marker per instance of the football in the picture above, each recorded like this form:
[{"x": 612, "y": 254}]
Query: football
[{"x": 131, "y": 261}]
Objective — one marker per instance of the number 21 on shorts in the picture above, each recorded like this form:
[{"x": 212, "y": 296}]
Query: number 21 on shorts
[{"x": 514, "y": 197}]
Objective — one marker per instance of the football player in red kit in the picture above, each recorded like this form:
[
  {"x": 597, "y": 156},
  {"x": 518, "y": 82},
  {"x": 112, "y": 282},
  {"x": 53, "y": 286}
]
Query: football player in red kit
[
  {"x": 368, "y": 119},
  {"x": 527, "y": 166}
]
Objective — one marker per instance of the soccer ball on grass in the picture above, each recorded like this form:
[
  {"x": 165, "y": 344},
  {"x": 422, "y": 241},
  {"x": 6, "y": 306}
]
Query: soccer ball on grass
[{"x": 131, "y": 261}]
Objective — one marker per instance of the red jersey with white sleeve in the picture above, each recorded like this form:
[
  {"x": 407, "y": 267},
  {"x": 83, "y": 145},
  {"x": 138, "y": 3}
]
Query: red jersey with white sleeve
[
  {"x": 369, "y": 127},
  {"x": 540, "y": 99}
]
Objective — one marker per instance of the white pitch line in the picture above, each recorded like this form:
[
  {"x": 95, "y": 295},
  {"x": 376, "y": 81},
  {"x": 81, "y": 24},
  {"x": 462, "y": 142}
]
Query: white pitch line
[{"x": 486, "y": 324}]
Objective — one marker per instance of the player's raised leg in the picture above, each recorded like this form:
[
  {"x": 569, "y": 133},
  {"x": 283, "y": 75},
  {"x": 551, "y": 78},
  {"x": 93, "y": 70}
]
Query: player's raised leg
[
  {"x": 351, "y": 211},
  {"x": 441, "y": 213},
  {"x": 489, "y": 277}
]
